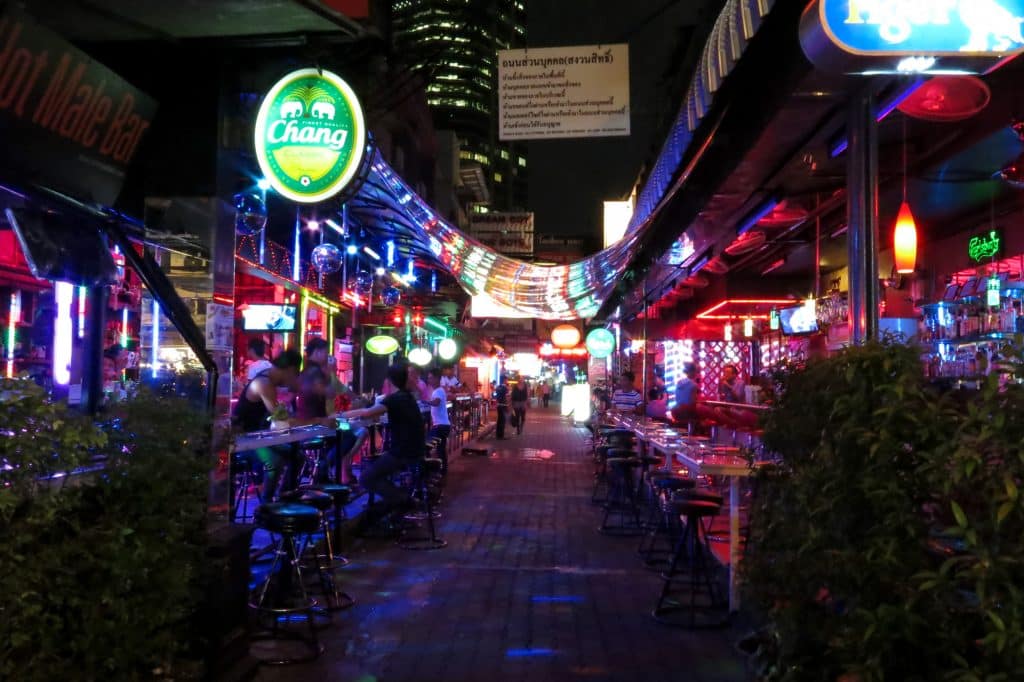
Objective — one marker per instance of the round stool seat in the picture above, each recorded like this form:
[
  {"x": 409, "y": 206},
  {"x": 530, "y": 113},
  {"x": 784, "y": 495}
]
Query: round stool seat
[
  {"x": 314, "y": 498},
  {"x": 432, "y": 464},
  {"x": 702, "y": 495},
  {"x": 288, "y": 518},
  {"x": 695, "y": 508},
  {"x": 341, "y": 494},
  {"x": 673, "y": 482}
]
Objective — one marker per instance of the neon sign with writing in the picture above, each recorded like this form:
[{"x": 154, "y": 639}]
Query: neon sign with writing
[
  {"x": 984, "y": 247},
  {"x": 935, "y": 28}
]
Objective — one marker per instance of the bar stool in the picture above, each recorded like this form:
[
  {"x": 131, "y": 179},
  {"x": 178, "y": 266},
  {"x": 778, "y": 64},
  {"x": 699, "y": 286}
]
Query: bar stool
[
  {"x": 243, "y": 475},
  {"x": 282, "y": 597},
  {"x": 661, "y": 522},
  {"x": 314, "y": 452},
  {"x": 325, "y": 562},
  {"x": 429, "y": 540},
  {"x": 621, "y": 503},
  {"x": 690, "y": 595}
]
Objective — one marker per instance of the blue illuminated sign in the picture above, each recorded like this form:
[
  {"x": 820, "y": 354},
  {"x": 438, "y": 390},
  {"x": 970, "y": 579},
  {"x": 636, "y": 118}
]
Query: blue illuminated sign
[{"x": 934, "y": 28}]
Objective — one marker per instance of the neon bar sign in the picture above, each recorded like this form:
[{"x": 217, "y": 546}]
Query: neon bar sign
[
  {"x": 937, "y": 27},
  {"x": 984, "y": 247}
]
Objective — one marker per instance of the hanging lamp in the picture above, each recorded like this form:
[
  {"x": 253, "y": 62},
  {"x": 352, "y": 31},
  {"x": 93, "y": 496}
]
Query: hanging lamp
[{"x": 904, "y": 236}]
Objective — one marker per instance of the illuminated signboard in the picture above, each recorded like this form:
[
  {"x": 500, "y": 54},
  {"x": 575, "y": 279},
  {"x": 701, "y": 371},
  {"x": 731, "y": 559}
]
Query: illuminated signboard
[
  {"x": 894, "y": 36},
  {"x": 980, "y": 248},
  {"x": 382, "y": 344},
  {"x": 310, "y": 135},
  {"x": 600, "y": 343}
]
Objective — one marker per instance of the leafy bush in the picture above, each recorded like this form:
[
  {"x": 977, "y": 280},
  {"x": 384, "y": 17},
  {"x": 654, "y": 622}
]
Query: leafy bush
[
  {"x": 99, "y": 571},
  {"x": 889, "y": 543}
]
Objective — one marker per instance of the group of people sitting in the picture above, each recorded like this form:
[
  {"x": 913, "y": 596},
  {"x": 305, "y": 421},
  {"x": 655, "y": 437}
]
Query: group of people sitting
[
  {"x": 409, "y": 406},
  {"x": 688, "y": 408}
]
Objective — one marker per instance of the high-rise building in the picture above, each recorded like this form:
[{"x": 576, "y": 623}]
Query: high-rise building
[{"x": 453, "y": 45}]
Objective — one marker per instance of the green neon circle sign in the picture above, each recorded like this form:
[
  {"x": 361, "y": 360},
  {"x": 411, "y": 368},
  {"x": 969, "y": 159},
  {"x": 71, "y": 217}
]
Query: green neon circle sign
[
  {"x": 310, "y": 135},
  {"x": 600, "y": 343}
]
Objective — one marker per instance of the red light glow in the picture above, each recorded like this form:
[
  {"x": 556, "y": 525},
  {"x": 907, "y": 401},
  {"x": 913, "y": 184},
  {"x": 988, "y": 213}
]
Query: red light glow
[{"x": 743, "y": 308}]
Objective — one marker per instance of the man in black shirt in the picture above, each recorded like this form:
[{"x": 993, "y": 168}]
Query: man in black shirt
[{"x": 405, "y": 425}]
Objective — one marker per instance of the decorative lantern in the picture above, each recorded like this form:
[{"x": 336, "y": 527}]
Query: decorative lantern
[
  {"x": 565, "y": 336},
  {"x": 390, "y": 296},
  {"x": 447, "y": 349},
  {"x": 904, "y": 240},
  {"x": 250, "y": 214},
  {"x": 382, "y": 344},
  {"x": 420, "y": 356},
  {"x": 326, "y": 258}
]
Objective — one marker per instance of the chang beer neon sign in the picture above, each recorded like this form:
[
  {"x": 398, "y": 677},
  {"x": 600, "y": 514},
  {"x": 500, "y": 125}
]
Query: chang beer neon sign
[
  {"x": 310, "y": 135},
  {"x": 980, "y": 248},
  {"x": 894, "y": 36}
]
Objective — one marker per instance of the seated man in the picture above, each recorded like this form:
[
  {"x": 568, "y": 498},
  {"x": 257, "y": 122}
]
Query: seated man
[
  {"x": 406, "y": 443},
  {"x": 657, "y": 405}
]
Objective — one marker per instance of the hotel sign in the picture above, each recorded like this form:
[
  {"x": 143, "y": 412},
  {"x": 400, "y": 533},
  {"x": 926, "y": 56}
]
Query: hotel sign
[
  {"x": 310, "y": 135},
  {"x": 911, "y": 36}
]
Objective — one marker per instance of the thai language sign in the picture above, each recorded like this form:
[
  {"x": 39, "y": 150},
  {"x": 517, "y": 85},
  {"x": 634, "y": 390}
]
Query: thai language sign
[
  {"x": 507, "y": 233},
  {"x": 933, "y": 28},
  {"x": 580, "y": 91}
]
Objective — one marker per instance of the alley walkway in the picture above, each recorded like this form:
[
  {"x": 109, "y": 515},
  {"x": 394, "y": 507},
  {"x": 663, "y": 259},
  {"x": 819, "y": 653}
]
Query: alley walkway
[{"x": 526, "y": 589}]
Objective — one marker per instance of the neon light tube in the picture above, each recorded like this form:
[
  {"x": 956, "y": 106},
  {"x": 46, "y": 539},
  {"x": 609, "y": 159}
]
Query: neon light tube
[
  {"x": 63, "y": 293},
  {"x": 371, "y": 253},
  {"x": 82, "y": 293},
  {"x": 12, "y": 328},
  {"x": 390, "y": 253},
  {"x": 155, "y": 362},
  {"x": 335, "y": 226},
  {"x": 124, "y": 328}
]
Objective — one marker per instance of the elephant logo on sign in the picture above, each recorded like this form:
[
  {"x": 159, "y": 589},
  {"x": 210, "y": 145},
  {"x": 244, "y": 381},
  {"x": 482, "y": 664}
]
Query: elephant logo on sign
[
  {"x": 988, "y": 21},
  {"x": 323, "y": 110},
  {"x": 291, "y": 109}
]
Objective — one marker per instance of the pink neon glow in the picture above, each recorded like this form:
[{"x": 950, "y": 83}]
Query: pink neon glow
[{"x": 62, "y": 332}]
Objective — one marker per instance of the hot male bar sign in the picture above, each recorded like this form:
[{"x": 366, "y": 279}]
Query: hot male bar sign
[{"x": 66, "y": 121}]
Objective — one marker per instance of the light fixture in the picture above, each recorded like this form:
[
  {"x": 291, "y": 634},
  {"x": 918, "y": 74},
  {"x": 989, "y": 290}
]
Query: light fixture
[
  {"x": 773, "y": 320},
  {"x": 904, "y": 238},
  {"x": 390, "y": 253},
  {"x": 351, "y": 249},
  {"x": 381, "y": 271},
  {"x": 600, "y": 342},
  {"x": 371, "y": 253},
  {"x": 382, "y": 344},
  {"x": 313, "y": 225},
  {"x": 263, "y": 184},
  {"x": 447, "y": 349},
  {"x": 63, "y": 293},
  {"x": 748, "y": 327},
  {"x": 565, "y": 336},
  {"x": 335, "y": 226},
  {"x": 13, "y": 318},
  {"x": 728, "y": 331},
  {"x": 993, "y": 291},
  {"x": 420, "y": 356}
]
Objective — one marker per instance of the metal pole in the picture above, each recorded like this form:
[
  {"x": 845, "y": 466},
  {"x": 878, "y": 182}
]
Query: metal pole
[
  {"x": 862, "y": 217},
  {"x": 643, "y": 364},
  {"x": 92, "y": 364}
]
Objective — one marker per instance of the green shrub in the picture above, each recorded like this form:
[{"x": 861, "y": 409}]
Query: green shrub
[
  {"x": 99, "y": 573},
  {"x": 854, "y": 557}
]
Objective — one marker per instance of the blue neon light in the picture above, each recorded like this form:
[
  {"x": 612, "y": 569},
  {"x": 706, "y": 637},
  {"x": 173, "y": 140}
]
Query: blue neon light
[{"x": 529, "y": 652}]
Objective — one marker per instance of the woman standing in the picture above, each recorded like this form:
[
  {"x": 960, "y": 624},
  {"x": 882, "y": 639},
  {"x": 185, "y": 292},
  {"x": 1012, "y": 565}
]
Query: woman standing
[{"x": 519, "y": 398}]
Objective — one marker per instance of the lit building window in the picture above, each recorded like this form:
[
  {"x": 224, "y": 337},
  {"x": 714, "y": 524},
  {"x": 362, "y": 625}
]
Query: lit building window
[
  {"x": 522, "y": 162},
  {"x": 497, "y": 177}
]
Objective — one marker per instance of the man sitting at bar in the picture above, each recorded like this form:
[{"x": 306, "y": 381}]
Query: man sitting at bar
[
  {"x": 626, "y": 399},
  {"x": 657, "y": 404},
  {"x": 255, "y": 404},
  {"x": 687, "y": 392},
  {"x": 316, "y": 393},
  {"x": 406, "y": 442},
  {"x": 730, "y": 389}
]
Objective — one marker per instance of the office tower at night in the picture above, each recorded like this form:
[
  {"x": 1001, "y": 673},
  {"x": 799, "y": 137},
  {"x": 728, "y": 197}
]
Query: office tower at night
[{"x": 454, "y": 46}]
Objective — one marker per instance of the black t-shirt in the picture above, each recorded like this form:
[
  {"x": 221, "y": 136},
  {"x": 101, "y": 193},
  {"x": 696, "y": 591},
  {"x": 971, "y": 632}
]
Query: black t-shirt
[
  {"x": 405, "y": 424},
  {"x": 519, "y": 394}
]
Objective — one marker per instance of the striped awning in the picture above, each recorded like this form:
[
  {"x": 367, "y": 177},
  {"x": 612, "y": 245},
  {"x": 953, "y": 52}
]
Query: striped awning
[{"x": 732, "y": 32}]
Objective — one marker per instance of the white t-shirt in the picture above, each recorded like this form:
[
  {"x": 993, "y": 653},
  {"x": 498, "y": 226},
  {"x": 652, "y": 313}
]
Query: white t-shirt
[
  {"x": 450, "y": 382},
  {"x": 439, "y": 413},
  {"x": 257, "y": 367}
]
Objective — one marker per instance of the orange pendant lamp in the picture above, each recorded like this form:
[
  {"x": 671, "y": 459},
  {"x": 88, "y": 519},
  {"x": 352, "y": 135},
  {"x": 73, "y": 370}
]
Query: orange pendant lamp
[
  {"x": 904, "y": 237},
  {"x": 904, "y": 241}
]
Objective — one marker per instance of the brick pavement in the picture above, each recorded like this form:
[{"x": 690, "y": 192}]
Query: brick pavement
[{"x": 526, "y": 589}]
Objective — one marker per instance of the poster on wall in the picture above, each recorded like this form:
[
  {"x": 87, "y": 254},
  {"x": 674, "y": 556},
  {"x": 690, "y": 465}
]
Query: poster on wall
[
  {"x": 557, "y": 92},
  {"x": 220, "y": 322}
]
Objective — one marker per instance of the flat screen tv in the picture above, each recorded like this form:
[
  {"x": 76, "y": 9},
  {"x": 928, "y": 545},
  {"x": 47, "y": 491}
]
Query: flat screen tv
[
  {"x": 798, "y": 320},
  {"x": 268, "y": 317},
  {"x": 952, "y": 290}
]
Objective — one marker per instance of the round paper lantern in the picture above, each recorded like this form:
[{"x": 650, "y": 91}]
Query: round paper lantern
[
  {"x": 420, "y": 356},
  {"x": 391, "y": 296},
  {"x": 600, "y": 343},
  {"x": 364, "y": 281},
  {"x": 382, "y": 344},
  {"x": 565, "y": 336},
  {"x": 447, "y": 349},
  {"x": 250, "y": 214},
  {"x": 326, "y": 258}
]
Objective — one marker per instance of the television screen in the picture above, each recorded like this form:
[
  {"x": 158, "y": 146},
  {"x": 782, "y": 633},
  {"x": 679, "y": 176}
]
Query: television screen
[
  {"x": 798, "y": 320},
  {"x": 971, "y": 288},
  {"x": 951, "y": 292},
  {"x": 270, "y": 317},
  {"x": 58, "y": 247}
]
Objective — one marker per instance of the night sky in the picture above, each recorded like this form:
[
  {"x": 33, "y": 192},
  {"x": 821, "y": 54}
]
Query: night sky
[{"x": 570, "y": 178}]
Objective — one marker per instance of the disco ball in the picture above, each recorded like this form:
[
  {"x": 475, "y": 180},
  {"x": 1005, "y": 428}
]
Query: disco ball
[
  {"x": 391, "y": 296},
  {"x": 326, "y": 258},
  {"x": 250, "y": 214},
  {"x": 364, "y": 281}
]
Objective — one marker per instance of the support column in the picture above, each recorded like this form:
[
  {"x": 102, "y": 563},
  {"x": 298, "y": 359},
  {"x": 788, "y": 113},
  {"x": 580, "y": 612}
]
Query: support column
[{"x": 862, "y": 217}]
